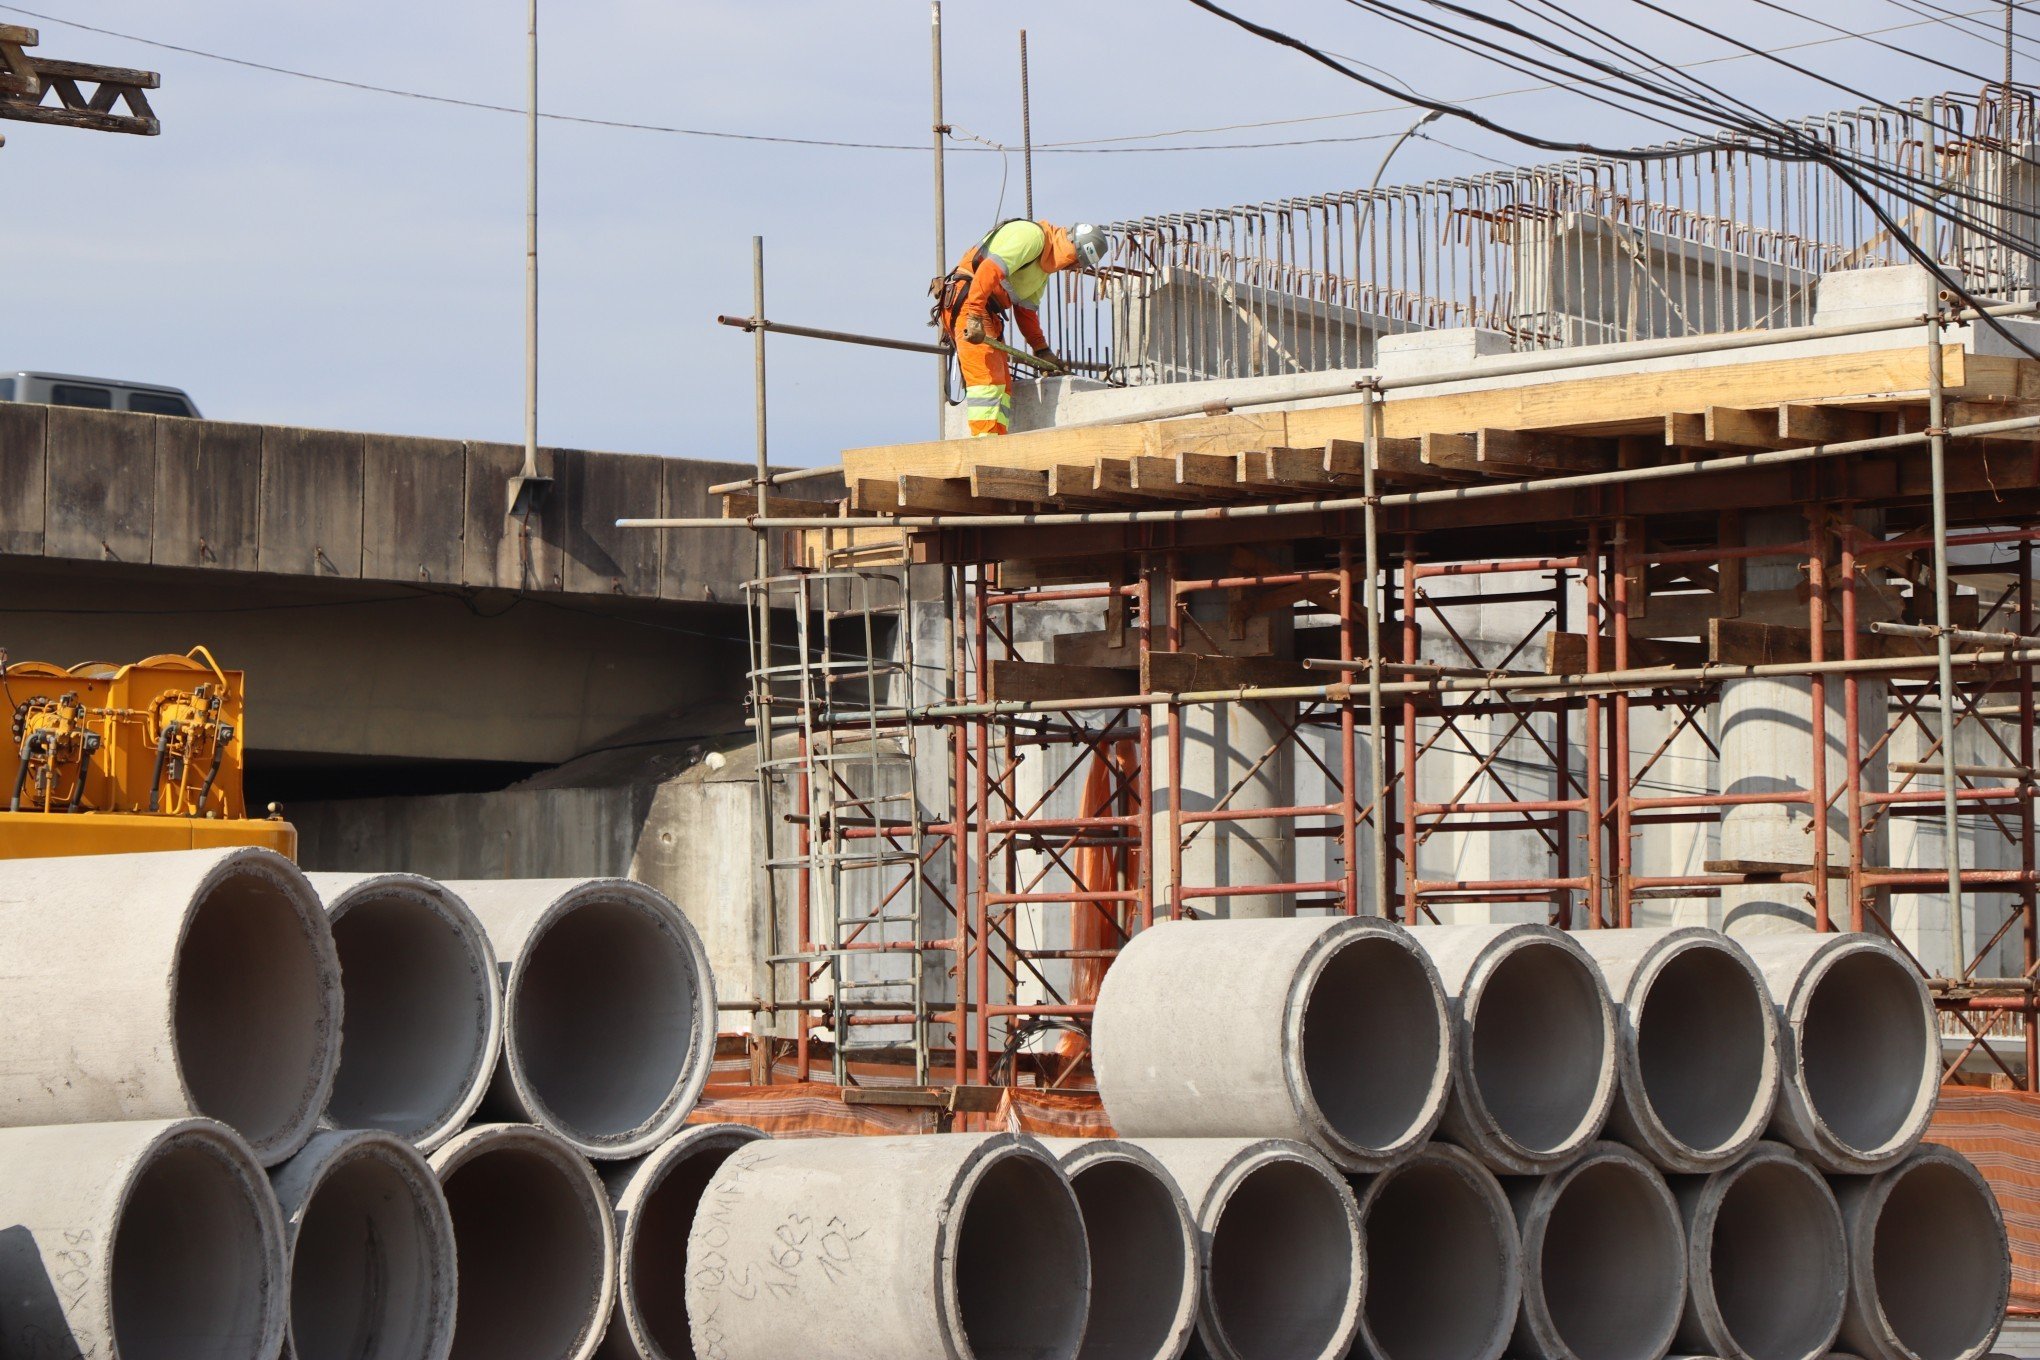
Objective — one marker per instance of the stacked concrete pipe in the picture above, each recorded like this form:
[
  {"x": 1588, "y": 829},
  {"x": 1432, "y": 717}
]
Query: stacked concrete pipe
[
  {"x": 149, "y": 1240},
  {"x": 1604, "y": 1259},
  {"x": 654, "y": 1201},
  {"x": 1143, "y": 1245},
  {"x": 168, "y": 985},
  {"x": 609, "y": 1010},
  {"x": 368, "y": 1247},
  {"x": 535, "y": 1247},
  {"x": 1930, "y": 1269},
  {"x": 1696, "y": 1044},
  {"x": 1533, "y": 1044},
  {"x": 1282, "y": 1262},
  {"x": 1861, "y": 1049},
  {"x": 957, "y": 1245},
  {"x": 424, "y": 1008},
  {"x": 1331, "y": 1031},
  {"x": 1767, "y": 1263},
  {"x": 1444, "y": 1264}
]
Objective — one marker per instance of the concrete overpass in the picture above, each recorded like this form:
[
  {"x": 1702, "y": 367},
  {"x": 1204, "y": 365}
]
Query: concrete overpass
[{"x": 402, "y": 635}]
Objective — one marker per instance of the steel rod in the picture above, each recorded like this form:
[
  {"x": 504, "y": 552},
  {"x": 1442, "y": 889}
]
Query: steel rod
[{"x": 941, "y": 130}]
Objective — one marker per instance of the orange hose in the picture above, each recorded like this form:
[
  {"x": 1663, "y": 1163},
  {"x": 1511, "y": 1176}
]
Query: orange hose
[{"x": 1111, "y": 788}]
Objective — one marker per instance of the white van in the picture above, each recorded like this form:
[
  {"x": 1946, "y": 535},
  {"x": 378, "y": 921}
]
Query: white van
[{"x": 99, "y": 394}]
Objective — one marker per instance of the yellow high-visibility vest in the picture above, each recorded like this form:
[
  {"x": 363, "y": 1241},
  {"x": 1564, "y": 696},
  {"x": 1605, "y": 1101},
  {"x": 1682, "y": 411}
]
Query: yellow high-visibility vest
[{"x": 1018, "y": 246}]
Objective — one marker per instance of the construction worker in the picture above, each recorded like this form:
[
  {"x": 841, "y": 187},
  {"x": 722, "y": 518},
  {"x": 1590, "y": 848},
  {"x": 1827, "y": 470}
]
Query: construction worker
[{"x": 1009, "y": 268}]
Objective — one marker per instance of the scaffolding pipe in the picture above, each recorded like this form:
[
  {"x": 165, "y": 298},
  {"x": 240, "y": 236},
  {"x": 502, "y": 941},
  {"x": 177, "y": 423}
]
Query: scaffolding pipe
[{"x": 1944, "y": 645}]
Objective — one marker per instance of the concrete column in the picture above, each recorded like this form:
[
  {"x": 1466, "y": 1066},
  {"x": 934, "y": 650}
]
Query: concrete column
[{"x": 1764, "y": 732}]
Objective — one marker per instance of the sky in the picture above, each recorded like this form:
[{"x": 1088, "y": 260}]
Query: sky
[{"x": 301, "y": 252}]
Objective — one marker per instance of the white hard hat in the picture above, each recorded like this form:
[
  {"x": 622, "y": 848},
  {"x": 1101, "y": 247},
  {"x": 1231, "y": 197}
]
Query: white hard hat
[{"x": 1092, "y": 243}]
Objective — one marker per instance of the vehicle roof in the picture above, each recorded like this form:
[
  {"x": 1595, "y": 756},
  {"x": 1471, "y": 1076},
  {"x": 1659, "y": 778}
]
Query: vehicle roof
[{"x": 48, "y": 376}]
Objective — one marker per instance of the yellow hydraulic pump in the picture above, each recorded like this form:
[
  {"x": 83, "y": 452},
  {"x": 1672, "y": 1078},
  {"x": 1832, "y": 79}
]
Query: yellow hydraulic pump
[{"x": 104, "y": 759}]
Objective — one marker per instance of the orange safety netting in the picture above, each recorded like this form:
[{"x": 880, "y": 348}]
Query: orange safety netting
[
  {"x": 2000, "y": 1132},
  {"x": 1111, "y": 789}
]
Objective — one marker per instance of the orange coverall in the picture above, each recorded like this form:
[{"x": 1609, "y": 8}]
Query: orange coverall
[{"x": 1008, "y": 269}]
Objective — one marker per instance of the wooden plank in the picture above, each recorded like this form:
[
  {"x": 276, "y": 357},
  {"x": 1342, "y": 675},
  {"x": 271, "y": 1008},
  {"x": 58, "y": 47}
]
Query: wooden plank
[
  {"x": 1112, "y": 478},
  {"x": 1688, "y": 615},
  {"x": 945, "y": 496},
  {"x": 1154, "y": 474},
  {"x": 1183, "y": 672},
  {"x": 1072, "y": 481},
  {"x": 1301, "y": 470},
  {"x": 1803, "y": 423},
  {"x": 1738, "y": 642},
  {"x": 24, "y": 432},
  {"x": 414, "y": 499},
  {"x": 497, "y": 551},
  {"x": 1029, "y": 449},
  {"x": 209, "y": 496},
  {"x": 1591, "y": 402},
  {"x": 1740, "y": 427},
  {"x": 594, "y": 490},
  {"x": 1398, "y": 462},
  {"x": 1037, "y": 681},
  {"x": 1531, "y": 453},
  {"x": 1566, "y": 653},
  {"x": 1458, "y": 452},
  {"x": 100, "y": 485},
  {"x": 1101, "y": 648},
  {"x": 1221, "y": 435},
  {"x": 1217, "y": 471},
  {"x": 1010, "y": 484}
]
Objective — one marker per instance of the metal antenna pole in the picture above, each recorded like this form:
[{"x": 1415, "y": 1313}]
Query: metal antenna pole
[
  {"x": 941, "y": 212},
  {"x": 1027, "y": 127},
  {"x": 527, "y": 488}
]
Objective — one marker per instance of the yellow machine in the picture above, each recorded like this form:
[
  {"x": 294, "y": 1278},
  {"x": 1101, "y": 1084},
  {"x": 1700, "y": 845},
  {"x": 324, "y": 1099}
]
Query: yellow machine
[{"x": 104, "y": 759}]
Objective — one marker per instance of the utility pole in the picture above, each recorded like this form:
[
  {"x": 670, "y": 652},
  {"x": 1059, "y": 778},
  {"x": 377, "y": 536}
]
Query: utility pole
[
  {"x": 941, "y": 214},
  {"x": 528, "y": 489}
]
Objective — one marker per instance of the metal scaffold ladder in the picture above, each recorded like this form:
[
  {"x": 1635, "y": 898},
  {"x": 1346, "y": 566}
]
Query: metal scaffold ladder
[{"x": 842, "y": 684}]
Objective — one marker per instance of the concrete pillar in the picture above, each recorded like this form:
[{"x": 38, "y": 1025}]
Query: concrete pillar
[
  {"x": 1766, "y": 1258},
  {"x": 1533, "y": 1043},
  {"x": 879, "y": 1248},
  {"x": 1930, "y": 1270},
  {"x": 655, "y": 1199},
  {"x": 536, "y": 1249},
  {"x": 156, "y": 1237},
  {"x": 197, "y": 982},
  {"x": 1696, "y": 1044},
  {"x": 368, "y": 1247},
  {"x": 1764, "y": 732},
  {"x": 1330, "y": 1030},
  {"x": 1143, "y": 1244},
  {"x": 1244, "y": 749},
  {"x": 609, "y": 1009},
  {"x": 423, "y": 1007}
]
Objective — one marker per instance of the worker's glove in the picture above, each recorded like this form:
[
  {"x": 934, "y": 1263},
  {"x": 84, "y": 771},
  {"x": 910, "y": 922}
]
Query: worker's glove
[
  {"x": 1047, "y": 357},
  {"x": 974, "y": 329}
]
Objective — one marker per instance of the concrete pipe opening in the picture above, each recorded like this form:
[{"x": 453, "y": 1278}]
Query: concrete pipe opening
[
  {"x": 1444, "y": 1271},
  {"x": 1604, "y": 1260},
  {"x": 1019, "y": 1231},
  {"x": 1867, "y": 1057},
  {"x": 423, "y": 1011},
  {"x": 1769, "y": 1261},
  {"x": 1143, "y": 1260},
  {"x": 1279, "y": 1280},
  {"x": 1706, "y": 1051},
  {"x": 655, "y": 1202},
  {"x": 1376, "y": 1046},
  {"x": 1542, "y": 1036},
  {"x": 604, "y": 1032},
  {"x": 193, "y": 1252},
  {"x": 537, "y": 1259},
  {"x": 372, "y": 1261},
  {"x": 256, "y": 1006},
  {"x": 1938, "y": 1268}
]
